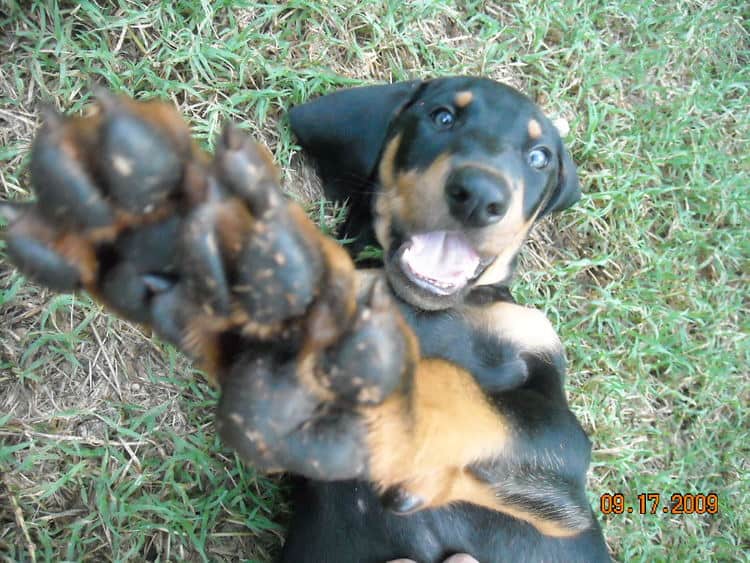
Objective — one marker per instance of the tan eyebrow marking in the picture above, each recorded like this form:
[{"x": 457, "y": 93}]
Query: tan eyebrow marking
[
  {"x": 387, "y": 169},
  {"x": 463, "y": 99},
  {"x": 535, "y": 130}
]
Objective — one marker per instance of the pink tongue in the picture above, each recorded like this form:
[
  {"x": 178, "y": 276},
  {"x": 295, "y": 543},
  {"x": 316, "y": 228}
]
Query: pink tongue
[{"x": 442, "y": 257}]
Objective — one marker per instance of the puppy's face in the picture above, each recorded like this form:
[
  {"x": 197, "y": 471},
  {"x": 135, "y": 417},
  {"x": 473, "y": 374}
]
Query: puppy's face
[{"x": 467, "y": 167}]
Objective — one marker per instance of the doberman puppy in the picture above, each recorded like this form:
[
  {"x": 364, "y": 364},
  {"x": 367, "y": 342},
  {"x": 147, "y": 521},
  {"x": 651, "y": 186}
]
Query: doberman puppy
[{"x": 423, "y": 409}]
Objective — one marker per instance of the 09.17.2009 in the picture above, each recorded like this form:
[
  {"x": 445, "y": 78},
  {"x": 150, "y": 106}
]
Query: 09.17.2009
[{"x": 649, "y": 503}]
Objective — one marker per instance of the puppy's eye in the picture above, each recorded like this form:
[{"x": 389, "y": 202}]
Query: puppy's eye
[
  {"x": 539, "y": 158},
  {"x": 443, "y": 118}
]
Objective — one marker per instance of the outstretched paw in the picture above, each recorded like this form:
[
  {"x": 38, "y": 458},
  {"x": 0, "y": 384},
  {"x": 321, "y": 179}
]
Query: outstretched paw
[
  {"x": 129, "y": 209},
  {"x": 210, "y": 253},
  {"x": 286, "y": 408},
  {"x": 97, "y": 178}
]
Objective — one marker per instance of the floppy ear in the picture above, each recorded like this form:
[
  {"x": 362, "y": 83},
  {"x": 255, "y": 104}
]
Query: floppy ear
[
  {"x": 568, "y": 190},
  {"x": 345, "y": 131}
]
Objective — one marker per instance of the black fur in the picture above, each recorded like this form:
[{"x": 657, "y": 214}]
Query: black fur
[{"x": 345, "y": 521}]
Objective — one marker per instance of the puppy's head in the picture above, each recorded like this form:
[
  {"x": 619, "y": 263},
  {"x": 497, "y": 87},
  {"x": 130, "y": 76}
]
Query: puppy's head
[{"x": 462, "y": 167}]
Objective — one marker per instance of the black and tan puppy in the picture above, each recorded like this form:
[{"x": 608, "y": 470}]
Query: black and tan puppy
[
  {"x": 424, "y": 409},
  {"x": 449, "y": 176}
]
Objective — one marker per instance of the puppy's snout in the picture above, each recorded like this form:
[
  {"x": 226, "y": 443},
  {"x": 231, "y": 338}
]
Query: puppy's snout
[{"x": 475, "y": 198}]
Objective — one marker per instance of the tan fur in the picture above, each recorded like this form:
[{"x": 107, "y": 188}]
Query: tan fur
[
  {"x": 535, "y": 130},
  {"x": 463, "y": 99},
  {"x": 305, "y": 371},
  {"x": 78, "y": 251},
  {"x": 502, "y": 266},
  {"x": 414, "y": 198},
  {"x": 387, "y": 201},
  {"x": 336, "y": 304},
  {"x": 200, "y": 340},
  {"x": 382, "y": 221},
  {"x": 421, "y": 191},
  {"x": 425, "y": 443},
  {"x": 454, "y": 485},
  {"x": 387, "y": 166},
  {"x": 505, "y": 238},
  {"x": 529, "y": 329},
  {"x": 449, "y": 418},
  {"x": 233, "y": 223}
]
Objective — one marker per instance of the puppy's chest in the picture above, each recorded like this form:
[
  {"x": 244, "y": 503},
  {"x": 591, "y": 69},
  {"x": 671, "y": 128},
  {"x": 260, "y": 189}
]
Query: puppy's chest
[{"x": 449, "y": 335}]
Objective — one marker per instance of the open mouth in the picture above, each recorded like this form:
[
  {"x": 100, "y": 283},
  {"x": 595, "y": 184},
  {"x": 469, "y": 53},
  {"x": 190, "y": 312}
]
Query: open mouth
[{"x": 442, "y": 262}]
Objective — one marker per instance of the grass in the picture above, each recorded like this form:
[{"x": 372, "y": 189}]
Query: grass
[{"x": 107, "y": 449}]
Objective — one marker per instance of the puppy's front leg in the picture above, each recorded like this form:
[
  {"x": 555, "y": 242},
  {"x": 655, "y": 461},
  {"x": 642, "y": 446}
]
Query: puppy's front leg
[{"x": 209, "y": 253}]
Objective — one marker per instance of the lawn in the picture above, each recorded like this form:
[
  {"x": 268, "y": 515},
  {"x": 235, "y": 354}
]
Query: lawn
[{"x": 107, "y": 448}]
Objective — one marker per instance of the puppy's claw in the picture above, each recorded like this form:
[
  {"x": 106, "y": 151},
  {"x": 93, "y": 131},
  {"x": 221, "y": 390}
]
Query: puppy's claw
[
  {"x": 158, "y": 284},
  {"x": 11, "y": 211},
  {"x": 171, "y": 310},
  {"x": 42, "y": 264},
  {"x": 247, "y": 169},
  {"x": 400, "y": 501},
  {"x": 51, "y": 117},
  {"x": 379, "y": 298},
  {"x": 106, "y": 99},
  {"x": 125, "y": 290},
  {"x": 232, "y": 137}
]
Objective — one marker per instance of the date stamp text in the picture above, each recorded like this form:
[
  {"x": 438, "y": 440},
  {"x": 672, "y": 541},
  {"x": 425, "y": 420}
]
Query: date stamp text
[{"x": 653, "y": 503}]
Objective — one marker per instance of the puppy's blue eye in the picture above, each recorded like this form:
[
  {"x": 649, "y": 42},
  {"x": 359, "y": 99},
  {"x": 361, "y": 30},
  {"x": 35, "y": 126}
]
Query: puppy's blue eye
[
  {"x": 443, "y": 118},
  {"x": 539, "y": 158}
]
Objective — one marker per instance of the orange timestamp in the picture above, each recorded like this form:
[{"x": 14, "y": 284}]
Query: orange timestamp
[{"x": 651, "y": 503}]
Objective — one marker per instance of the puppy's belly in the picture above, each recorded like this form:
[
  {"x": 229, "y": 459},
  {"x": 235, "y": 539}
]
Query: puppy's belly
[{"x": 344, "y": 522}]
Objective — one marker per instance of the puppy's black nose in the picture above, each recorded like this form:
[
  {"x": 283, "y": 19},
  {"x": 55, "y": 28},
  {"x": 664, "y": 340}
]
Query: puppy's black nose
[{"x": 475, "y": 198}]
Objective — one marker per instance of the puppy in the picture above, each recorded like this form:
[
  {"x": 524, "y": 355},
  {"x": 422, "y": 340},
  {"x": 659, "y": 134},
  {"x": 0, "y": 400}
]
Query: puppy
[
  {"x": 422, "y": 408},
  {"x": 448, "y": 176}
]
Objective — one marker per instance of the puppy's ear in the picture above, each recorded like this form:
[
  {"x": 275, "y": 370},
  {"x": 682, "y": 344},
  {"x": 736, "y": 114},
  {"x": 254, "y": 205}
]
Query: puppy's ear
[
  {"x": 568, "y": 190},
  {"x": 345, "y": 131}
]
